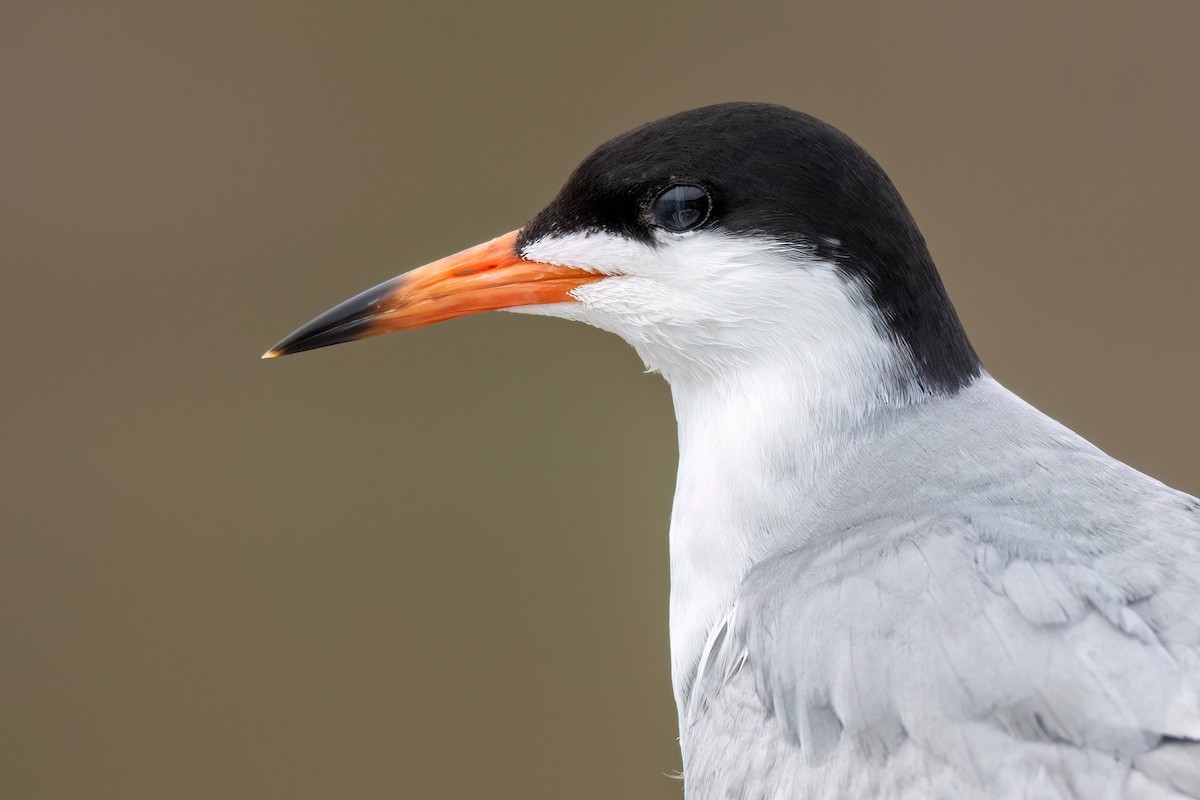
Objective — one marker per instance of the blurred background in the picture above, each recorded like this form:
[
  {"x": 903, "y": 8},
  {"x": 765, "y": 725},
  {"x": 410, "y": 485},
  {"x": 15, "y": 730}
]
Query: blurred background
[{"x": 435, "y": 564}]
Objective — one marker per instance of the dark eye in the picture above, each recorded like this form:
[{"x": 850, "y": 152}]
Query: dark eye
[{"x": 680, "y": 207}]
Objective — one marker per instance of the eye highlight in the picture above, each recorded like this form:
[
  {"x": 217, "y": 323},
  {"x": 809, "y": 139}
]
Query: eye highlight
[{"x": 681, "y": 207}]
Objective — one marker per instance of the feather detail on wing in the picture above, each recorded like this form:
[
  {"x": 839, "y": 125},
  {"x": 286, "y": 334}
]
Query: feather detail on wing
[{"x": 992, "y": 644}]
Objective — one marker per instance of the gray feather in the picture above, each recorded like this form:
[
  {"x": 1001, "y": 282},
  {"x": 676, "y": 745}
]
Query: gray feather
[{"x": 991, "y": 608}]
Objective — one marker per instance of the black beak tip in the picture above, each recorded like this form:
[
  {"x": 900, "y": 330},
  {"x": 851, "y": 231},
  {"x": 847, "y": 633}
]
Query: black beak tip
[
  {"x": 353, "y": 319},
  {"x": 319, "y": 333}
]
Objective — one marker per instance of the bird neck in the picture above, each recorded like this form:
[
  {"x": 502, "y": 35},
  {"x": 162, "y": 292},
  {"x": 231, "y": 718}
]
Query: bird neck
[{"x": 757, "y": 450}]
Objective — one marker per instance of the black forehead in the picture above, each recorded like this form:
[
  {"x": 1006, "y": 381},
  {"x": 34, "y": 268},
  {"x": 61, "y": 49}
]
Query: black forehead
[{"x": 769, "y": 169}]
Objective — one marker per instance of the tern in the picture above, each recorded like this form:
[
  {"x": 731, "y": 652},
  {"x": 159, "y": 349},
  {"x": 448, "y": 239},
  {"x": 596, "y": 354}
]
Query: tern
[{"x": 890, "y": 576}]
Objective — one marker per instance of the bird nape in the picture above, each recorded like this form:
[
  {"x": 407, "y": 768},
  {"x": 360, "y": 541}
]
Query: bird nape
[{"x": 890, "y": 576}]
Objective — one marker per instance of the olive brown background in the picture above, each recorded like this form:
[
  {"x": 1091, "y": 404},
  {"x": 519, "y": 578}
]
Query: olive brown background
[{"x": 435, "y": 564}]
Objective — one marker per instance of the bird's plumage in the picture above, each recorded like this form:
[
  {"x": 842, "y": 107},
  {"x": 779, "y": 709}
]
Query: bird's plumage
[
  {"x": 981, "y": 605},
  {"x": 890, "y": 576}
]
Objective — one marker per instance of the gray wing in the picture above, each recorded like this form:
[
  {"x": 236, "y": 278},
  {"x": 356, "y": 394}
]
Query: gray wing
[{"x": 1010, "y": 650}]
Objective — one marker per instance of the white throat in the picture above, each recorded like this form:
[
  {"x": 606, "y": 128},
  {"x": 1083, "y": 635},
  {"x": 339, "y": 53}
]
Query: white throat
[
  {"x": 757, "y": 454},
  {"x": 778, "y": 365}
]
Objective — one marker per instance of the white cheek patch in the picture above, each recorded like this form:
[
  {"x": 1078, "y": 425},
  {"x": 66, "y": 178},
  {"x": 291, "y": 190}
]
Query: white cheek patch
[{"x": 704, "y": 301}]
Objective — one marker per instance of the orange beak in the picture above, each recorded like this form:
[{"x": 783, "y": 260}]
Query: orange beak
[{"x": 486, "y": 277}]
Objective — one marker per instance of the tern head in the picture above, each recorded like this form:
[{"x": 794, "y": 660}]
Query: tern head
[{"x": 714, "y": 241}]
